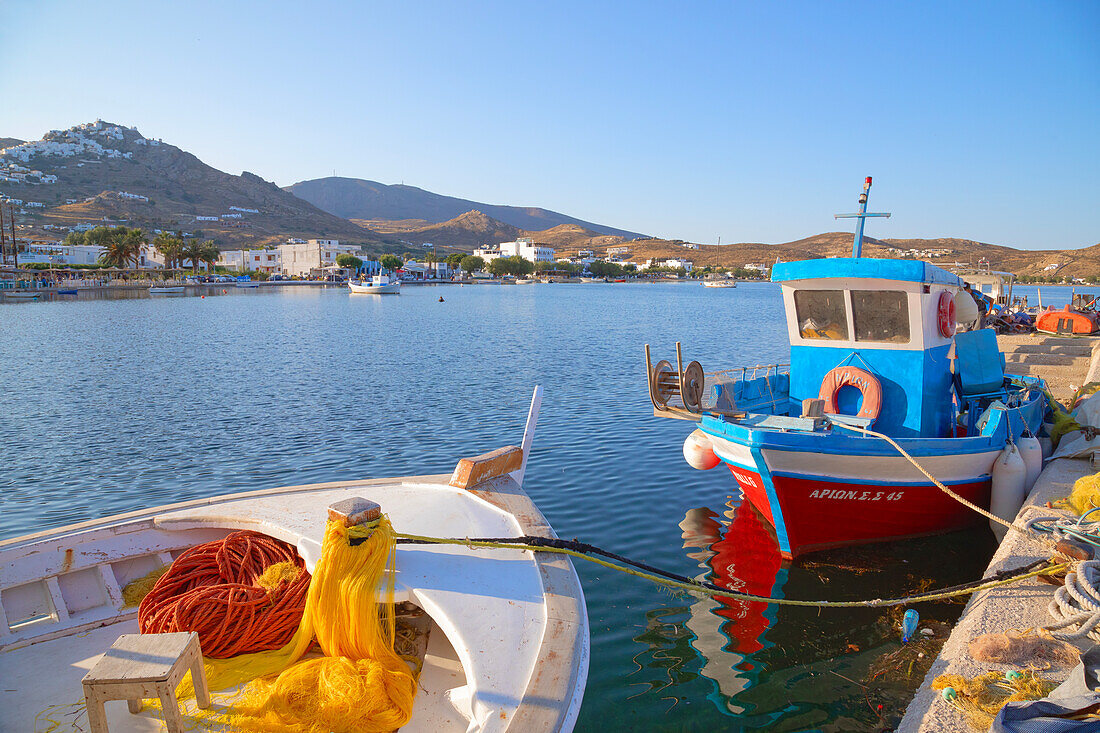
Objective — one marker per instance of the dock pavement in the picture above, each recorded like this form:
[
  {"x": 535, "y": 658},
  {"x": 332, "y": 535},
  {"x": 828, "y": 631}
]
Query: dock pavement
[{"x": 1021, "y": 605}]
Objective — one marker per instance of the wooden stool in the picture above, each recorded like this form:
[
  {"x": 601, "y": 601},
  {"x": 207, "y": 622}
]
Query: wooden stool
[{"x": 142, "y": 666}]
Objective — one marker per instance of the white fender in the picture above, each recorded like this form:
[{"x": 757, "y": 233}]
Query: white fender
[
  {"x": 1009, "y": 474},
  {"x": 698, "y": 451},
  {"x": 1032, "y": 453}
]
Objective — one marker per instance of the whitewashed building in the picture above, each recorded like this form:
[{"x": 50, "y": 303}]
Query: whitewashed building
[
  {"x": 425, "y": 271},
  {"x": 60, "y": 254},
  {"x": 524, "y": 247},
  {"x": 263, "y": 260},
  {"x": 312, "y": 257}
]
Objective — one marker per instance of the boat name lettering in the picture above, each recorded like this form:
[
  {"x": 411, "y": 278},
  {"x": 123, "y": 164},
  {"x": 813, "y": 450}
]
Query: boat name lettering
[
  {"x": 745, "y": 479},
  {"x": 856, "y": 495}
]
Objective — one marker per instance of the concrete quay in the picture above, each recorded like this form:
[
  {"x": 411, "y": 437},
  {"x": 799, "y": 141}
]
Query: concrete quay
[{"x": 1023, "y": 605}]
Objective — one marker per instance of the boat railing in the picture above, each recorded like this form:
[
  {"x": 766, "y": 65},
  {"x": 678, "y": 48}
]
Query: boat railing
[{"x": 687, "y": 392}]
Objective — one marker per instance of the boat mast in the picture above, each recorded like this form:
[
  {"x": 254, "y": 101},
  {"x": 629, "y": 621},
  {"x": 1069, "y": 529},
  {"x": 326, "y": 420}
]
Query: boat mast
[{"x": 857, "y": 243}]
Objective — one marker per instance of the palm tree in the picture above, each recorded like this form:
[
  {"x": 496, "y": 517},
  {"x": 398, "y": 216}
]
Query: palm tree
[
  {"x": 122, "y": 246},
  {"x": 193, "y": 251},
  {"x": 429, "y": 260},
  {"x": 133, "y": 240},
  {"x": 210, "y": 254},
  {"x": 171, "y": 247}
]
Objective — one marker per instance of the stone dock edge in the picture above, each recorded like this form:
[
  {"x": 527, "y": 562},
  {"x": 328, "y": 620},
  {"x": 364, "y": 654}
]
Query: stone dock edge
[{"x": 1020, "y": 606}]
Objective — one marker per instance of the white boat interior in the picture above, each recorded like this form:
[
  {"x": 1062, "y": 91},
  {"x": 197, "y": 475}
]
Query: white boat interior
[{"x": 506, "y": 643}]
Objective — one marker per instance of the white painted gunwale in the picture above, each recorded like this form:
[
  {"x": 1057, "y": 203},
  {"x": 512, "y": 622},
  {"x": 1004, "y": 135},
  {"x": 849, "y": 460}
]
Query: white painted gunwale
[{"x": 539, "y": 665}]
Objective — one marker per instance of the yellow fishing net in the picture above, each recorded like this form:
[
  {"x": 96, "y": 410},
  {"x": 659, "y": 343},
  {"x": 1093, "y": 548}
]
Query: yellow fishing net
[
  {"x": 982, "y": 697},
  {"x": 1085, "y": 495},
  {"x": 360, "y": 684}
]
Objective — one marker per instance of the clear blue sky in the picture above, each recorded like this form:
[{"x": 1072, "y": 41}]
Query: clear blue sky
[{"x": 750, "y": 121}]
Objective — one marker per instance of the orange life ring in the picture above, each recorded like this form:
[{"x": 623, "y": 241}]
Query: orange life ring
[
  {"x": 946, "y": 313},
  {"x": 862, "y": 380}
]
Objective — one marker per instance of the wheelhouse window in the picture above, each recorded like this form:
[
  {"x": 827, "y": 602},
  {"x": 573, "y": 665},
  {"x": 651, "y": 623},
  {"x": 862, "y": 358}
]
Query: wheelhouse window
[
  {"x": 821, "y": 314},
  {"x": 881, "y": 315}
]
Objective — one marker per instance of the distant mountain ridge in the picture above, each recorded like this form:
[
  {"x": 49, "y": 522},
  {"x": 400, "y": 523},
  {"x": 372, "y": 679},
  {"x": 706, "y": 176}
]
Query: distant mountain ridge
[
  {"x": 102, "y": 169},
  {"x": 356, "y": 198}
]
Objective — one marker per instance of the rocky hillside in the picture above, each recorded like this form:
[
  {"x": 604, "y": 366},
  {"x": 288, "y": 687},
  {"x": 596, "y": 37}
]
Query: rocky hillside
[
  {"x": 463, "y": 233},
  {"x": 102, "y": 170},
  {"x": 354, "y": 198}
]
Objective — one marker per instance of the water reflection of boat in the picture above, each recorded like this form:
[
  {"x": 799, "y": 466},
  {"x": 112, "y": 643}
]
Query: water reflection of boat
[{"x": 744, "y": 556}]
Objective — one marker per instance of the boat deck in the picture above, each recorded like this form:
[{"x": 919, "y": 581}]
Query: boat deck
[
  {"x": 508, "y": 643},
  {"x": 30, "y": 703}
]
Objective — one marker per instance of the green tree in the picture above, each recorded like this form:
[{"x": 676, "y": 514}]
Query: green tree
[
  {"x": 391, "y": 262},
  {"x": 171, "y": 246},
  {"x": 121, "y": 245},
  {"x": 349, "y": 261},
  {"x": 455, "y": 260},
  {"x": 74, "y": 239},
  {"x": 430, "y": 259},
  {"x": 500, "y": 267},
  {"x": 210, "y": 254},
  {"x": 471, "y": 263},
  {"x": 193, "y": 252}
]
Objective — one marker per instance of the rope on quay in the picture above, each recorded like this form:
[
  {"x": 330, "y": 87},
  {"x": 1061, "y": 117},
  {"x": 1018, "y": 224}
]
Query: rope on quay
[{"x": 585, "y": 551}]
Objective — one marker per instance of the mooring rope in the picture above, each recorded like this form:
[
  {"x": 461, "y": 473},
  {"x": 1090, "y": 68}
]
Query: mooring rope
[
  {"x": 585, "y": 551},
  {"x": 962, "y": 500}
]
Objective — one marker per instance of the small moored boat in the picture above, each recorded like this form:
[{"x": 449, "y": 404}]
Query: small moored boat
[
  {"x": 720, "y": 283},
  {"x": 873, "y": 347},
  {"x": 377, "y": 285},
  {"x": 167, "y": 289},
  {"x": 497, "y": 639}
]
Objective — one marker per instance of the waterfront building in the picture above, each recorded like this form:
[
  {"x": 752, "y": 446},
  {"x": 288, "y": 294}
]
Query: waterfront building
[
  {"x": 673, "y": 262},
  {"x": 312, "y": 258},
  {"x": 60, "y": 254},
  {"x": 524, "y": 247},
  {"x": 263, "y": 260},
  {"x": 426, "y": 271}
]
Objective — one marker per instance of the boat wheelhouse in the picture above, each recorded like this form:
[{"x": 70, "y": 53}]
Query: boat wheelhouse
[{"x": 873, "y": 347}]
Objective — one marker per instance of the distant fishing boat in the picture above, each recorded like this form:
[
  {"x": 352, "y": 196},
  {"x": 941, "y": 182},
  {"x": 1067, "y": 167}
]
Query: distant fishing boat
[
  {"x": 377, "y": 285},
  {"x": 247, "y": 284},
  {"x": 167, "y": 289},
  {"x": 68, "y": 291},
  {"x": 526, "y": 281},
  {"x": 873, "y": 346},
  {"x": 720, "y": 283},
  {"x": 22, "y": 295}
]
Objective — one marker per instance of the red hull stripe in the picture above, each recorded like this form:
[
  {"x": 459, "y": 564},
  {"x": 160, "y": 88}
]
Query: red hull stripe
[{"x": 821, "y": 514}]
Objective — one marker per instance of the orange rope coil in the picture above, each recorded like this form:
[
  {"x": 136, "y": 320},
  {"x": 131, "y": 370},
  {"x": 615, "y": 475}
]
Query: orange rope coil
[{"x": 212, "y": 589}]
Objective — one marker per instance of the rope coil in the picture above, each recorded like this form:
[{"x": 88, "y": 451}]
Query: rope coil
[{"x": 215, "y": 589}]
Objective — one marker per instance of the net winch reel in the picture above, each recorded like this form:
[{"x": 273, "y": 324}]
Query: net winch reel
[{"x": 684, "y": 385}]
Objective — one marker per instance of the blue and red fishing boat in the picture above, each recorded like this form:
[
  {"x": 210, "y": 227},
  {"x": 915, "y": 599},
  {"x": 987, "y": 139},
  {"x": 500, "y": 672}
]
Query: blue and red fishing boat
[{"x": 872, "y": 346}]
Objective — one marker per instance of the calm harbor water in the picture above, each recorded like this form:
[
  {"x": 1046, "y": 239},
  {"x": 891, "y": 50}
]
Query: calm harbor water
[{"x": 113, "y": 404}]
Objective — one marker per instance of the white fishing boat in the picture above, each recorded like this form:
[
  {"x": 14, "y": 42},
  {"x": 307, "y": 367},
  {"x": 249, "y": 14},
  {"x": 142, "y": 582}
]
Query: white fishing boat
[
  {"x": 719, "y": 283},
  {"x": 22, "y": 295},
  {"x": 526, "y": 281},
  {"x": 167, "y": 289},
  {"x": 377, "y": 285},
  {"x": 247, "y": 284},
  {"x": 500, "y": 635}
]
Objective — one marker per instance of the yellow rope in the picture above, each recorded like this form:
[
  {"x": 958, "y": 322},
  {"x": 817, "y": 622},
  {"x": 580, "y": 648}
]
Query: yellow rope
[{"x": 698, "y": 588}]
